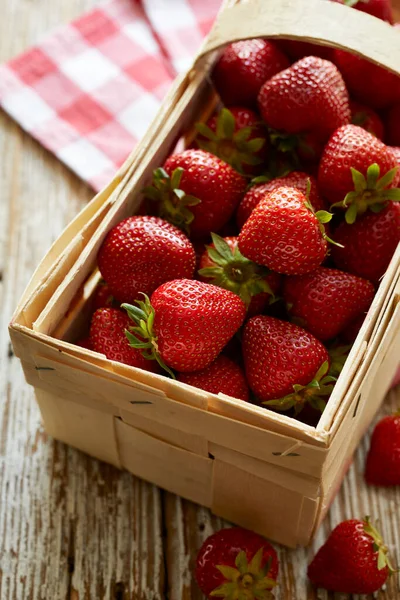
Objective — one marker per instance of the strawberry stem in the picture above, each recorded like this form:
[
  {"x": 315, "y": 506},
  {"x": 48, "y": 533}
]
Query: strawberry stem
[
  {"x": 234, "y": 272},
  {"x": 142, "y": 336},
  {"x": 379, "y": 546}
]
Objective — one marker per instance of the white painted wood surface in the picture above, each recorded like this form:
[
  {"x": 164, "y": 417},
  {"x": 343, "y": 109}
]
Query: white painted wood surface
[{"x": 72, "y": 528}]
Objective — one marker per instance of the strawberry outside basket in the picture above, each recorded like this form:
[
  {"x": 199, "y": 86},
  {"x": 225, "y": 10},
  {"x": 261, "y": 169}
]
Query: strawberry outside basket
[{"x": 262, "y": 470}]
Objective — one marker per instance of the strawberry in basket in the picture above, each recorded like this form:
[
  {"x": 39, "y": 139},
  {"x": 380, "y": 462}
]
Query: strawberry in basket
[
  {"x": 196, "y": 191},
  {"x": 221, "y": 376},
  {"x": 237, "y": 563},
  {"x": 367, "y": 118},
  {"x": 186, "y": 324},
  {"x": 286, "y": 366},
  {"x": 140, "y": 253},
  {"x": 304, "y": 105},
  {"x": 243, "y": 68}
]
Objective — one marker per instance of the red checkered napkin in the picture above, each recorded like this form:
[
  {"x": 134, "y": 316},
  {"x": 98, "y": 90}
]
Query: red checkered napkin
[{"x": 89, "y": 91}]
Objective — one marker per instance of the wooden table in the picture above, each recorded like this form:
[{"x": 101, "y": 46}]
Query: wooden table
[{"x": 72, "y": 528}]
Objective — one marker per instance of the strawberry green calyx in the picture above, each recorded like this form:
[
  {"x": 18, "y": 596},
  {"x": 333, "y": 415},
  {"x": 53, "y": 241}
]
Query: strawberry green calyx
[
  {"x": 234, "y": 272},
  {"x": 379, "y": 546},
  {"x": 142, "y": 335},
  {"x": 235, "y": 148},
  {"x": 322, "y": 216},
  {"x": 312, "y": 393},
  {"x": 338, "y": 356},
  {"x": 370, "y": 192},
  {"x": 173, "y": 203},
  {"x": 248, "y": 581}
]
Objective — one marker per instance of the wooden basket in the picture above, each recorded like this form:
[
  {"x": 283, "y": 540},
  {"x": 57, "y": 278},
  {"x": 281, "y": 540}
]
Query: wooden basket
[{"x": 254, "y": 467}]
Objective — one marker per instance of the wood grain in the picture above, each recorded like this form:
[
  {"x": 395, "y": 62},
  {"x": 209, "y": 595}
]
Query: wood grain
[{"x": 72, "y": 528}]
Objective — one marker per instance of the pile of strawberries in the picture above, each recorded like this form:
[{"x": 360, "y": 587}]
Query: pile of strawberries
[
  {"x": 254, "y": 258},
  {"x": 257, "y": 251}
]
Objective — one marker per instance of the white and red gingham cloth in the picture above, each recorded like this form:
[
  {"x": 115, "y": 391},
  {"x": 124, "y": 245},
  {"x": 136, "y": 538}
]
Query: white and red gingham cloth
[{"x": 88, "y": 91}]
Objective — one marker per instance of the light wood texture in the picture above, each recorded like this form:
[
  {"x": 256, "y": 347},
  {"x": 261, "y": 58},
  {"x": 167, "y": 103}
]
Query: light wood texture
[{"x": 72, "y": 528}]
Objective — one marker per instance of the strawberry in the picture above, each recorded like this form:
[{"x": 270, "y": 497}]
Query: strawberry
[
  {"x": 296, "y": 179},
  {"x": 367, "y": 118},
  {"x": 221, "y": 376},
  {"x": 107, "y": 336},
  {"x": 237, "y": 563},
  {"x": 368, "y": 83},
  {"x": 383, "y": 460},
  {"x": 326, "y": 301},
  {"x": 353, "y": 560},
  {"x": 393, "y": 126},
  {"x": 243, "y": 68},
  {"x": 140, "y": 253},
  {"x": 237, "y": 136},
  {"x": 102, "y": 296},
  {"x": 286, "y": 366},
  {"x": 382, "y": 9},
  {"x": 186, "y": 325},
  {"x": 369, "y": 243},
  {"x": 196, "y": 191},
  {"x": 222, "y": 264},
  {"x": 357, "y": 172},
  {"x": 284, "y": 234},
  {"x": 309, "y": 98}
]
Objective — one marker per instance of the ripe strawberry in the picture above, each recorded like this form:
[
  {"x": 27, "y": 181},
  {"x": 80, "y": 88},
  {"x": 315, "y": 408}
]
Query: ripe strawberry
[
  {"x": 296, "y": 179},
  {"x": 357, "y": 172},
  {"x": 140, "y": 253},
  {"x": 353, "y": 560},
  {"x": 102, "y": 296},
  {"x": 107, "y": 336},
  {"x": 186, "y": 325},
  {"x": 368, "y": 119},
  {"x": 222, "y": 264},
  {"x": 393, "y": 126},
  {"x": 196, "y": 191},
  {"x": 382, "y": 9},
  {"x": 237, "y": 136},
  {"x": 369, "y": 243},
  {"x": 383, "y": 461},
  {"x": 368, "y": 83},
  {"x": 309, "y": 97},
  {"x": 237, "y": 563},
  {"x": 284, "y": 234},
  {"x": 243, "y": 68},
  {"x": 326, "y": 301},
  {"x": 286, "y": 366},
  {"x": 223, "y": 375}
]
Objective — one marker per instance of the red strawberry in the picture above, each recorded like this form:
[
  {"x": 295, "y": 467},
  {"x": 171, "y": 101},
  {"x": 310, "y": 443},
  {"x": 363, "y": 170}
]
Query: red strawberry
[
  {"x": 85, "y": 343},
  {"x": 369, "y": 243},
  {"x": 284, "y": 234},
  {"x": 102, "y": 296},
  {"x": 308, "y": 98},
  {"x": 357, "y": 172},
  {"x": 222, "y": 264},
  {"x": 237, "y": 563},
  {"x": 285, "y": 365},
  {"x": 187, "y": 323},
  {"x": 326, "y": 301},
  {"x": 393, "y": 126},
  {"x": 107, "y": 336},
  {"x": 223, "y": 375},
  {"x": 368, "y": 83},
  {"x": 243, "y": 68},
  {"x": 296, "y": 179},
  {"x": 368, "y": 119},
  {"x": 378, "y": 8},
  {"x": 237, "y": 136},
  {"x": 140, "y": 253},
  {"x": 383, "y": 461},
  {"x": 353, "y": 560},
  {"x": 196, "y": 191}
]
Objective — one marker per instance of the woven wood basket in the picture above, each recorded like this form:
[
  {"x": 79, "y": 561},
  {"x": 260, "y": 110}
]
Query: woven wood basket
[{"x": 254, "y": 467}]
